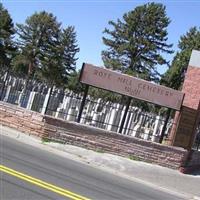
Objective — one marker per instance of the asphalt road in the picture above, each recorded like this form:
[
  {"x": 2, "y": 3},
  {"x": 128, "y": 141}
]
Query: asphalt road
[{"x": 74, "y": 177}]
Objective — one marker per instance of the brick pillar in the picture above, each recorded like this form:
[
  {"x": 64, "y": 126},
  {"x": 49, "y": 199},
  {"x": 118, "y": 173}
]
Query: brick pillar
[{"x": 186, "y": 121}]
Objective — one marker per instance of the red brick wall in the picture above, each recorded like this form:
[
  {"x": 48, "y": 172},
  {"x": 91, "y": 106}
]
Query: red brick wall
[
  {"x": 188, "y": 120},
  {"x": 95, "y": 139},
  {"x": 89, "y": 137},
  {"x": 191, "y": 88},
  {"x": 21, "y": 119}
]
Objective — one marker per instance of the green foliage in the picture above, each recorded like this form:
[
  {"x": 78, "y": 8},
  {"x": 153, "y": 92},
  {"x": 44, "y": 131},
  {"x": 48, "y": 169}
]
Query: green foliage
[
  {"x": 46, "y": 51},
  {"x": 54, "y": 140},
  {"x": 175, "y": 75},
  {"x": 19, "y": 64},
  {"x": 39, "y": 31},
  {"x": 73, "y": 83},
  {"x": 132, "y": 157},
  {"x": 136, "y": 43},
  {"x": 7, "y": 48},
  {"x": 58, "y": 60},
  {"x": 100, "y": 150}
]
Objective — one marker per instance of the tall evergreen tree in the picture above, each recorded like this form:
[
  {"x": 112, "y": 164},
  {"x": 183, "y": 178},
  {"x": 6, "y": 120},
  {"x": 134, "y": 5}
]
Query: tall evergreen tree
[
  {"x": 45, "y": 49},
  {"x": 40, "y": 30},
  {"x": 6, "y": 44},
  {"x": 58, "y": 61},
  {"x": 175, "y": 75},
  {"x": 136, "y": 43}
]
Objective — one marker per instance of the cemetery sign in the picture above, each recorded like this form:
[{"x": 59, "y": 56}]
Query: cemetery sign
[{"x": 130, "y": 86}]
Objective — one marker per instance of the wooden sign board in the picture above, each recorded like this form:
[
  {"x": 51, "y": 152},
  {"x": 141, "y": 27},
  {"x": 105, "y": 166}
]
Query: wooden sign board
[{"x": 130, "y": 86}]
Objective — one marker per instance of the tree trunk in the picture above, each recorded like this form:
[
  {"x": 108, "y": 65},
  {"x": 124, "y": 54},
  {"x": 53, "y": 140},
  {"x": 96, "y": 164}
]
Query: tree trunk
[{"x": 30, "y": 71}]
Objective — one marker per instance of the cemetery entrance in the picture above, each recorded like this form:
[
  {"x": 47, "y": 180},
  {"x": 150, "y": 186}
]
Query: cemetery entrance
[
  {"x": 126, "y": 118},
  {"x": 120, "y": 114}
]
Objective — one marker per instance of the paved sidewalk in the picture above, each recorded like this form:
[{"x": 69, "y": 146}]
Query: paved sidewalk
[{"x": 160, "y": 177}]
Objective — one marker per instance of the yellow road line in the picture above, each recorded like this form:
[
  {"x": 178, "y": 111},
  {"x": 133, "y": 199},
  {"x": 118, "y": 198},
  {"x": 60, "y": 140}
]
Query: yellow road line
[{"x": 42, "y": 184}]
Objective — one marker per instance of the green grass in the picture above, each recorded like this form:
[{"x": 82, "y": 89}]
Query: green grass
[
  {"x": 100, "y": 151},
  {"x": 45, "y": 140},
  {"x": 132, "y": 157},
  {"x": 48, "y": 140}
]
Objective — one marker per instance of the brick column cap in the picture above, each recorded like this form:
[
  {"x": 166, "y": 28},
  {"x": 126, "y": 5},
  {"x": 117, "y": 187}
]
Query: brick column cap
[{"x": 195, "y": 59}]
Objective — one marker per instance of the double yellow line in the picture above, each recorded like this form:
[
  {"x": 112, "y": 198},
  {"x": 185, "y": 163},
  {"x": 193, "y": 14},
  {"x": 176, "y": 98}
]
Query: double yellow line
[{"x": 42, "y": 184}]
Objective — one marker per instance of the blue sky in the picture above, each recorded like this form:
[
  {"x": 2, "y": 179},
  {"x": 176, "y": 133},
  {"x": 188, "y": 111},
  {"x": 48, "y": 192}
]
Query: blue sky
[{"x": 91, "y": 17}]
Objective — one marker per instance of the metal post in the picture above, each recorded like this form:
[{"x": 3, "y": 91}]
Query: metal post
[
  {"x": 164, "y": 126},
  {"x": 46, "y": 101},
  {"x": 82, "y": 103},
  {"x": 4, "y": 84},
  {"x": 127, "y": 123},
  {"x": 125, "y": 114}
]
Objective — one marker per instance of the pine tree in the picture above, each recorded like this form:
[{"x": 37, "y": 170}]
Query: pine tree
[
  {"x": 7, "y": 31},
  {"x": 40, "y": 30},
  {"x": 136, "y": 43},
  {"x": 58, "y": 61},
  {"x": 46, "y": 51},
  {"x": 175, "y": 75}
]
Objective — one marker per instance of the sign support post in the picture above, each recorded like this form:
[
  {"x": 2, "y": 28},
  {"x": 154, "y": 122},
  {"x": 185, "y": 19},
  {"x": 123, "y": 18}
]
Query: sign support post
[
  {"x": 165, "y": 125},
  {"x": 125, "y": 114},
  {"x": 82, "y": 103}
]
